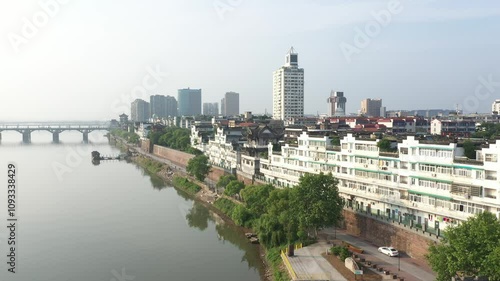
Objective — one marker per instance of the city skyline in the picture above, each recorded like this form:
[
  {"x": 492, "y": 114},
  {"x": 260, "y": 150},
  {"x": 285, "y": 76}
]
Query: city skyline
[{"x": 419, "y": 54}]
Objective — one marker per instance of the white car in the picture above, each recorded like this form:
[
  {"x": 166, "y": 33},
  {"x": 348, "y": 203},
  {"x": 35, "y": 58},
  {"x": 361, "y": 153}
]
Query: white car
[{"x": 390, "y": 251}]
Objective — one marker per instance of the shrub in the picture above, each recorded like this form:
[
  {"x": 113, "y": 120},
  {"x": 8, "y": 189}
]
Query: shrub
[
  {"x": 335, "y": 250},
  {"x": 225, "y": 205},
  {"x": 240, "y": 215},
  {"x": 186, "y": 185},
  {"x": 344, "y": 253}
]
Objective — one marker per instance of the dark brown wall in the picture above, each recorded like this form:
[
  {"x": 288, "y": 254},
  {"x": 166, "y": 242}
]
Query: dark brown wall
[
  {"x": 385, "y": 234},
  {"x": 177, "y": 157}
]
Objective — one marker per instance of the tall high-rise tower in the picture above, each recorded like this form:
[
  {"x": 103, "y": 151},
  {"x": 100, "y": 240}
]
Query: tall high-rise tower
[
  {"x": 288, "y": 88},
  {"x": 189, "y": 102},
  {"x": 371, "y": 107},
  {"x": 140, "y": 111},
  {"x": 230, "y": 104},
  {"x": 336, "y": 104}
]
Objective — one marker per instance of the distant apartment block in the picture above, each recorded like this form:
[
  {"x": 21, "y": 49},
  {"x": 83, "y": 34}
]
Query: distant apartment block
[
  {"x": 211, "y": 109},
  {"x": 429, "y": 113},
  {"x": 336, "y": 104},
  {"x": 371, "y": 107},
  {"x": 139, "y": 111},
  {"x": 189, "y": 101},
  {"x": 288, "y": 89},
  {"x": 495, "y": 107},
  {"x": 163, "y": 106},
  {"x": 171, "y": 106},
  {"x": 463, "y": 128},
  {"x": 230, "y": 104}
]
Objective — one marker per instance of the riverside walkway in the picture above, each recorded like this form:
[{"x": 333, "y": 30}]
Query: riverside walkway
[{"x": 308, "y": 264}]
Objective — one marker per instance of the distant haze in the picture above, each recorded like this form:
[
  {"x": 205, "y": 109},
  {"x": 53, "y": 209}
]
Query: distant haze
[{"x": 88, "y": 60}]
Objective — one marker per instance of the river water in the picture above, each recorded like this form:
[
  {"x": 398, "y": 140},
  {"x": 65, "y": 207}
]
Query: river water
[{"x": 111, "y": 222}]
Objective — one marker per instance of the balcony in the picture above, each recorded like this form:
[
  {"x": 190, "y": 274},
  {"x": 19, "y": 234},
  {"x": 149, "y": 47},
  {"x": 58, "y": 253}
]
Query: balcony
[
  {"x": 468, "y": 161},
  {"x": 389, "y": 154}
]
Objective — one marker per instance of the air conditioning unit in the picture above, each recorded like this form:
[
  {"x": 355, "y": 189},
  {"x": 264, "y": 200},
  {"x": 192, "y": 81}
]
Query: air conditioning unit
[
  {"x": 349, "y": 151},
  {"x": 366, "y": 166},
  {"x": 434, "y": 175}
]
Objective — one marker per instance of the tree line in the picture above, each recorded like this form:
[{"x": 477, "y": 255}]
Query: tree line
[
  {"x": 175, "y": 138},
  {"x": 284, "y": 216}
]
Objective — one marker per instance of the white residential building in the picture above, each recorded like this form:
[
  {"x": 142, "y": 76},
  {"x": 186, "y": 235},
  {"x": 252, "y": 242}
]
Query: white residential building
[
  {"x": 427, "y": 183},
  {"x": 288, "y": 89},
  {"x": 495, "y": 107}
]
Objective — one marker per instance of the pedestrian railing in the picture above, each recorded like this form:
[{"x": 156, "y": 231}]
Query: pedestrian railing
[{"x": 288, "y": 265}]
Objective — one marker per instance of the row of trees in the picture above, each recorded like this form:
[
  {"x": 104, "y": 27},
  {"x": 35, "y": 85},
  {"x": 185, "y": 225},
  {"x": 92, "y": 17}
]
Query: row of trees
[
  {"x": 487, "y": 131},
  {"x": 175, "y": 138},
  {"x": 285, "y": 216},
  {"x": 128, "y": 136}
]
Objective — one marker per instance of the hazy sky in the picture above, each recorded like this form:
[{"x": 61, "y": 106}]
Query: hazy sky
[{"x": 88, "y": 60}]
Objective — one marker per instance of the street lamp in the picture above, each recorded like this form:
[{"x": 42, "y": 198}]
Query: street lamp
[{"x": 399, "y": 261}]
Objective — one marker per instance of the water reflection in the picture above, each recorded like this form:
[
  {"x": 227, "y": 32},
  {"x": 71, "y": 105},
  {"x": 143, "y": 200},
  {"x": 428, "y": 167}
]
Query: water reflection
[
  {"x": 232, "y": 234},
  {"x": 157, "y": 182},
  {"x": 198, "y": 216}
]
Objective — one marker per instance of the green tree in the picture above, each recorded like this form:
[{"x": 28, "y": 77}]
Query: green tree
[
  {"x": 154, "y": 137},
  {"x": 472, "y": 248},
  {"x": 133, "y": 138},
  {"x": 255, "y": 196},
  {"x": 317, "y": 202},
  {"x": 335, "y": 141},
  {"x": 384, "y": 145},
  {"x": 198, "y": 167},
  {"x": 241, "y": 215},
  {"x": 469, "y": 149},
  {"x": 234, "y": 188},
  {"x": 225, "y": 180}
]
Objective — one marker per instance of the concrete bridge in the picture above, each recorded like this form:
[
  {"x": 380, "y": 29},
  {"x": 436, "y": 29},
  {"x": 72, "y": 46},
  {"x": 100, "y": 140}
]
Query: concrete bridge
[{"x": 26, "y": 130}]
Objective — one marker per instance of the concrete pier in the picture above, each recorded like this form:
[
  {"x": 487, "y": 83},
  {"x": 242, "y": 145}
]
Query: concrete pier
[
  {"x": 85, "y": 136},
  {"x": 26, "y": 136},
  {"x": 55, "y": 137}
]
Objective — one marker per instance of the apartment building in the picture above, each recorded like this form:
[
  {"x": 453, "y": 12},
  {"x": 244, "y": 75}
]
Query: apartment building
[
  {"x": 428, "y": 183},
  {"x": 465, "y": 127}
]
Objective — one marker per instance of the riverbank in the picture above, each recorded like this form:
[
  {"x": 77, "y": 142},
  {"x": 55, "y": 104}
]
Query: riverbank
[{"x": 168, "y": 172}]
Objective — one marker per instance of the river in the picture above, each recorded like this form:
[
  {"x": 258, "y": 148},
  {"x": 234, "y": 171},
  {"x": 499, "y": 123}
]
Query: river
[{"x": 110, "y": 222}]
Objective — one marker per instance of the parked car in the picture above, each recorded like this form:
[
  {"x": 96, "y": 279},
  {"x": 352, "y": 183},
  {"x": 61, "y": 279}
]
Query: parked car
[{"x": 390, "y": 251}]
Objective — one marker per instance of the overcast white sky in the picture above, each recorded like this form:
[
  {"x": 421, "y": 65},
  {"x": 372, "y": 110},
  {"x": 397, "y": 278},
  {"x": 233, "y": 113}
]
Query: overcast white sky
[{"x": 86, "y": 60}]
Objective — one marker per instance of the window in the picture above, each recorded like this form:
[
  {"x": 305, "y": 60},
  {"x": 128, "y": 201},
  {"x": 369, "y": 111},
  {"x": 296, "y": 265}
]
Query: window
[{"x": 462, "y": 172}]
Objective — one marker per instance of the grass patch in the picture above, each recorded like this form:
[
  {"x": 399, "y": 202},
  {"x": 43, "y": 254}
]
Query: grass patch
[
  {"x": 273, "y": 257},
  {"x": 225, "y": 205},
  {"x": 186, "y": 185},
  {"x": 151, "y": 165}
]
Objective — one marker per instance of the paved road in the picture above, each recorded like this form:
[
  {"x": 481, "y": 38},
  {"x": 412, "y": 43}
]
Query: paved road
[
  {"x": 408, "y": 269},
  {"x": 309, "y": 264}
]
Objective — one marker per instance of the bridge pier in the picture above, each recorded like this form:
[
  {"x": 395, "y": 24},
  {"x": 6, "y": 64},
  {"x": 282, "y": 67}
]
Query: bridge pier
[
  {"x": 26, "y": 136},
  {"x": 55, "y": 137},
  {"x": 85, "y": 136}
]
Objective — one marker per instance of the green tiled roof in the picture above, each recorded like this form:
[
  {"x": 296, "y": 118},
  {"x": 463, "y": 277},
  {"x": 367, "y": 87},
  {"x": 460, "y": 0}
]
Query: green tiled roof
[
  {"x": 373, "y": 171},
  {"x": 430, "y": 195},
  {"x": 432, "y": 179}
]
